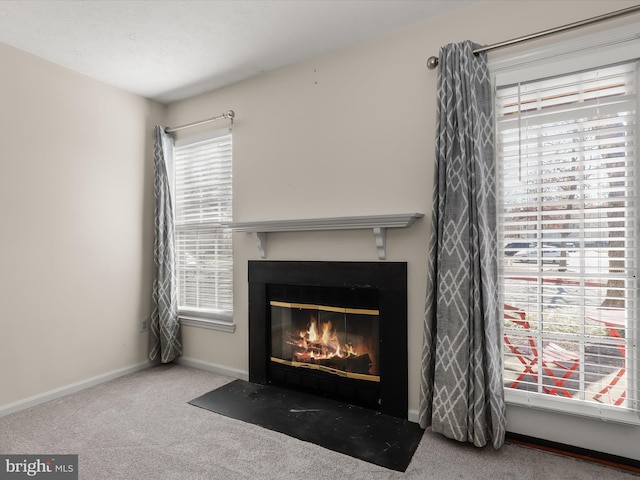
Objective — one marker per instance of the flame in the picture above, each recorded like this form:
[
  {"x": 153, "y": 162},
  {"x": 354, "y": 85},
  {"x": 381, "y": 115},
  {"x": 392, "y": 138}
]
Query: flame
[
  {"x": 321, "y": 342},
  {"x": 311, "y": 335},
  {"x": 326, "y": 334},
  {"x": 350, "y": 350}
]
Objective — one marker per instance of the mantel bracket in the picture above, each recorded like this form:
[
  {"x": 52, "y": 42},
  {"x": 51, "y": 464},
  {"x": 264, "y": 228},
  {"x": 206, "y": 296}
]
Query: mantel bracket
[
  {"x": 261, "y": 240},
  {"x": 380, "y": 234}
]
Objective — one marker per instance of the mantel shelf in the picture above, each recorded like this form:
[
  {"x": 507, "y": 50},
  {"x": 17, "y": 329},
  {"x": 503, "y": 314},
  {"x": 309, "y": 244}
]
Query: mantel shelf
[{"x": 378, "y": 223}]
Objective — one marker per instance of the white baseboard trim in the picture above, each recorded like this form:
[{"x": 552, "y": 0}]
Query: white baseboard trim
[
  {"x": 72, "y": 388},
  {"x": 213, "y": 367},
  {"x": 413, "y": 416}
]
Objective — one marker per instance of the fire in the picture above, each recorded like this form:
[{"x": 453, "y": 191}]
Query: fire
[{"x": 320, "y": 343}]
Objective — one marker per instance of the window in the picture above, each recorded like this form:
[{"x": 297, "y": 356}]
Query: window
[
  {"x": 204, "y": 250},
  {"x": 567, "y": 168}
]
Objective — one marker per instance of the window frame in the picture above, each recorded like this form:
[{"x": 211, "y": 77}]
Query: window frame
[
  {"x": 605, "y": 48},
  {"x": 189, "y": 317}
]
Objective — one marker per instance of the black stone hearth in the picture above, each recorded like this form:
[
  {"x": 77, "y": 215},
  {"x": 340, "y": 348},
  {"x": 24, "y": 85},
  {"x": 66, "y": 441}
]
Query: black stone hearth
[
  {"x": 359, "y": 432},
  {"x": 379, "y": 285}
]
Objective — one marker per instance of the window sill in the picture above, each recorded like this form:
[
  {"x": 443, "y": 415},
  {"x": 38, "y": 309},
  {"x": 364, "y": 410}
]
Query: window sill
[
  {"x": 219, "y": 325},
  {"x": 557, "y": 404}
]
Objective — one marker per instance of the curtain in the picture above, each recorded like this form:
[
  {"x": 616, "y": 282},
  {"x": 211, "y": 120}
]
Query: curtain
[
  {"x": 166, "y": 341},
  {"x": 462, "y": 395}
]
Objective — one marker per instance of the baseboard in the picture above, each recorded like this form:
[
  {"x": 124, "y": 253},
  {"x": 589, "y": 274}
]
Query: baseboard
[
  {"x": 212, "y": 367},
  {"x": 413, "y": 416},
  {"x": 72, "y": 388}
]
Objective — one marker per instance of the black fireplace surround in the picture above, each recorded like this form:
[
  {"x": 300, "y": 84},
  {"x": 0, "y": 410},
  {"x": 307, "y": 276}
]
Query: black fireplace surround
[{"x": 376, "y": 285}]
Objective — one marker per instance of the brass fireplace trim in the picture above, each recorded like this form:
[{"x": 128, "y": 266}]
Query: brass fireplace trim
[{"x": 322, "y": 368}]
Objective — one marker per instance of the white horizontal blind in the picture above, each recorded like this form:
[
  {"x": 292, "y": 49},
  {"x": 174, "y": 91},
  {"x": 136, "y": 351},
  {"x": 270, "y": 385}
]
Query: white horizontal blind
[
  {"x": 203, "y": 206},
  {"x": 568, "y": 222}
]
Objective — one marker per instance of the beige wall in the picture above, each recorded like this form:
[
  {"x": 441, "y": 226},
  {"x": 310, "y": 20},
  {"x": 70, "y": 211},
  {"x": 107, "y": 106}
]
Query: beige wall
[
  {"x": 76, "y": 203},
  {"x": 351, "y": 133}
]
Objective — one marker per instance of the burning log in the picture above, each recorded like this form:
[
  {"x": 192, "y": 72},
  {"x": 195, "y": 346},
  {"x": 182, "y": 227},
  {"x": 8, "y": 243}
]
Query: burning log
[
  {"x": 353, "y": 364},
  {"x": 316, "y": 349},
  {"x": 322, "y": 347}
]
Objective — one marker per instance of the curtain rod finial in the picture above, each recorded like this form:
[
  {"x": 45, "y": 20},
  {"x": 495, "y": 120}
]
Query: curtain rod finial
[{"x": 432, "y": 62}]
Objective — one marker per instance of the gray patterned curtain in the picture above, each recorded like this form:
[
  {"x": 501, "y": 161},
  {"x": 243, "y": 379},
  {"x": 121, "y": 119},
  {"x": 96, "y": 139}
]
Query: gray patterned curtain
[
  {"x": 165, "y": 329},
  {"x": 462, "y": 395}
]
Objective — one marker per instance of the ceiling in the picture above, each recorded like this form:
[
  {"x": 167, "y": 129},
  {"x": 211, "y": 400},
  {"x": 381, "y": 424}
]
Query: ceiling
[{"x": 169, "y": 50}]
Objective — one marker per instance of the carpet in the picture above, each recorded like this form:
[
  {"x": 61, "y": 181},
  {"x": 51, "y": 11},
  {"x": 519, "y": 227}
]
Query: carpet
[{"x": 355, "y": 431}]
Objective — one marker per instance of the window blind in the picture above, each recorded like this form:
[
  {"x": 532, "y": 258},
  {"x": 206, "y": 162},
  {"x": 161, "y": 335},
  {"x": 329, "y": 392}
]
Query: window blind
[
  {"x": 568, "y": 223},
  {"x": 203, "y": 206}
]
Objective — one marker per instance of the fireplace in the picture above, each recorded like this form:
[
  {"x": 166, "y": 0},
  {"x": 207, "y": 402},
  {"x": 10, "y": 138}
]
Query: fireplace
[{"x": 337, "y": 329}]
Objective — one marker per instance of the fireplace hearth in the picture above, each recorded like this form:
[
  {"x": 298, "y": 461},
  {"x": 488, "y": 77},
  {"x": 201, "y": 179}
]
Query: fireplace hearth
[{"x": 335, "y": 329}]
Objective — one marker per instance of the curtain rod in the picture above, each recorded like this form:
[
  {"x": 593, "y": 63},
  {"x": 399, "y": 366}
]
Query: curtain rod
[
  {"x": 230, "y": 114},
  {"x": 432, "y": 62}
]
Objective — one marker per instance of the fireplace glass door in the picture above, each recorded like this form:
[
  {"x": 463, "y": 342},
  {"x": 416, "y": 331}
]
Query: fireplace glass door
[{"x": 326, "y": 338}]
